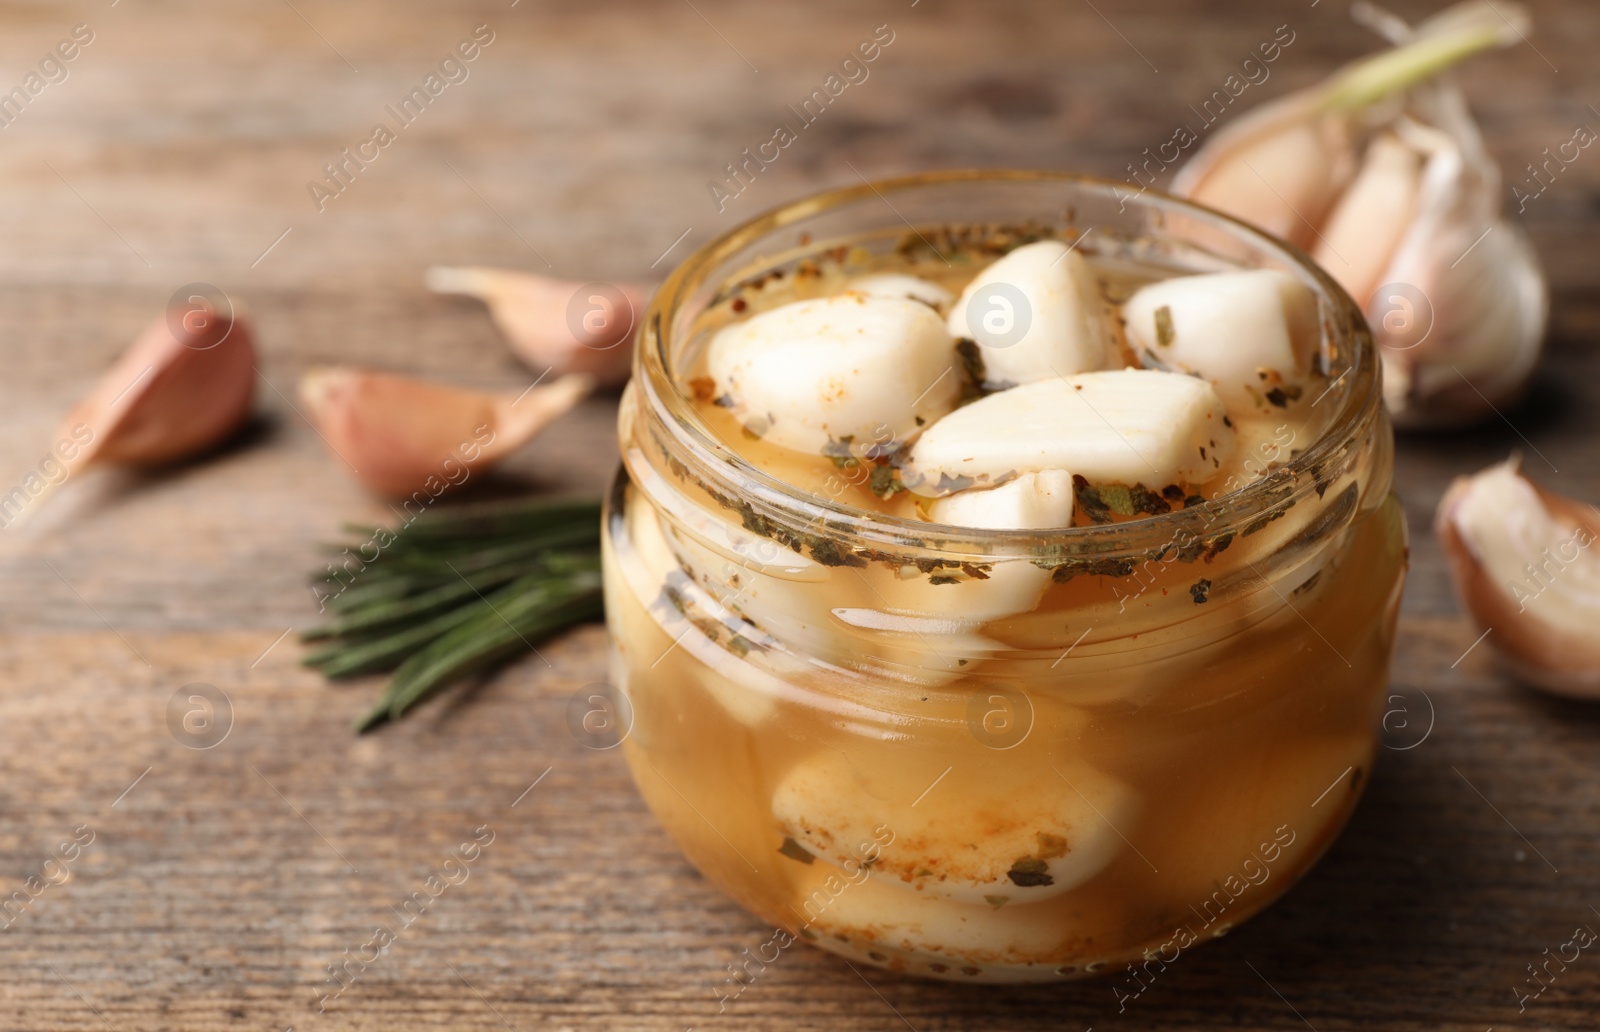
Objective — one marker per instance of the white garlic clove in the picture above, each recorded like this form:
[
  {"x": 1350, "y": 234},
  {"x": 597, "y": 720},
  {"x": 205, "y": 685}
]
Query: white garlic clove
[
  {"x": 1368, "y": 222},
  {"x": 1246, "y": 332},
  {"x": 971, "y": 843},
  {"x": 865, "y": 915},
  {"x": 1523, "y": 564},
  {"x": 1033, "y": 501},
  {"x": 1036, "y": 313},
  {"x": 900, "y": 285},
  {"x": 851, "y": 370},
  {"x": 1131, "y": 426}
]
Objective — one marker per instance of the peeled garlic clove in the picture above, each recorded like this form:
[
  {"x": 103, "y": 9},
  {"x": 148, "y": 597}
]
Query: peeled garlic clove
[
  {"x": 1033, "y": 501},
  {"x": 1229, "y": 327},
  {"x": 549, "y": 324},
  {"x": 1127, "y": 426},
  {"x": 1523, "y": 563},
  {"x": 900, "y": 285},
  {"x": 402, "y": 435},
  {"x": 971, "y": 843},
  {"x": 837, "y": 370},
  {"x": 1367, "y": 224},
  {"x": 1036, "y": 313},
  {"x": 864, "y": 915}
]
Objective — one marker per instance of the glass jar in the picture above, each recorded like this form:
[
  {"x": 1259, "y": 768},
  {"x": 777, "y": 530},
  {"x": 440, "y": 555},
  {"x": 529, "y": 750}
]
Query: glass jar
[{"x": 1159, "y": 750}]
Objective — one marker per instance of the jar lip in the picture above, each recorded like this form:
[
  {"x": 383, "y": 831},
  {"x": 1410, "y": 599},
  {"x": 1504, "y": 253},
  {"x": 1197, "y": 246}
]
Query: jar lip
[{"x": 692, "y": 443}]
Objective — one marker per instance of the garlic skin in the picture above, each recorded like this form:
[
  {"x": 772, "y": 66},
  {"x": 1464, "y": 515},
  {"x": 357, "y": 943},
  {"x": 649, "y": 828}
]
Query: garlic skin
[
  {"x": 548, "y": 325},
  {"x": 1130, "y": 426},
  {"x": 175, "y": 393},
  {"x": 1040, "y": 315},
  {"x": 401, "y": 435},
  {"x": 809, "y": 374},
  {"x": 1399, "y": 200},
  {"x": 1246, "y": 332},
  {"x": 1524, "y": 563}
]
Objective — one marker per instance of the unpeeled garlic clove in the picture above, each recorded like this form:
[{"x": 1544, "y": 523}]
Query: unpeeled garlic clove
[
  {"x": 1452, "y": 290},
  {"x": 550, "y": 323},
  {"x": 183, "y": 387},
  {"x": 1523, "y": 564},
  {"x": 401, "y": 435}
]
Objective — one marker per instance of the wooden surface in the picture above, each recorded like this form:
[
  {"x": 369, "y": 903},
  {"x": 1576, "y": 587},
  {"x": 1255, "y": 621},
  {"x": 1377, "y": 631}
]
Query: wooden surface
[{"x": 219, "y": 885}]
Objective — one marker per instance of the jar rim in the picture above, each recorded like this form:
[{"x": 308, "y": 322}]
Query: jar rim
[{"x": 690, "y": 441}]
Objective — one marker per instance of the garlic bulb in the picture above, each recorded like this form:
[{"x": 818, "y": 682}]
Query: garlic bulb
[
  {"x": 1524, "y": 565},
  {"x": 560, "y": 325},
  {"x": 1382, "y": 175},
  {"x": 401, "y": 435}
]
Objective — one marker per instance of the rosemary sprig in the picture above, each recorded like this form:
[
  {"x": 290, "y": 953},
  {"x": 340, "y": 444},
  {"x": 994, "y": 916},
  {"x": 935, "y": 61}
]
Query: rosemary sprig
[{"x": 455, "y": 592}]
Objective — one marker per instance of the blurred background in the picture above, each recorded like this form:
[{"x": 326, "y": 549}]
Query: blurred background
[{"x": 180, "y": 145}]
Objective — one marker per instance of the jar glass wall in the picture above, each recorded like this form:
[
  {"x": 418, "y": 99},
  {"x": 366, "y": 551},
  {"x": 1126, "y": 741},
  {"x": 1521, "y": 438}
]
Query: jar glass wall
[{"x": 837, "y": 733}]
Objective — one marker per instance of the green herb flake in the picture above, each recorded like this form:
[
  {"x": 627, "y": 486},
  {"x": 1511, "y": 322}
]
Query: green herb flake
[
  {"x": 839, "y": 452},
  {"x": 1089, "y": 500},
  {"x": 795, "y": 851},
  {"x": 1165, "y": 334},
  {"x": 1030, "y": 871},
  {"x": 997, "y": 901},
  {"x": 885, "y": 481}
]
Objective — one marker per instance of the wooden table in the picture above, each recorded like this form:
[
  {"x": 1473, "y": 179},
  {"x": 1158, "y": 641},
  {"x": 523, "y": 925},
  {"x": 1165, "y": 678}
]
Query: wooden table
[{"x": 220, "y": 883}]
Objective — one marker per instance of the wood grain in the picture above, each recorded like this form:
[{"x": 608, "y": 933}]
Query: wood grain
[{"x": 219, "y": 885}]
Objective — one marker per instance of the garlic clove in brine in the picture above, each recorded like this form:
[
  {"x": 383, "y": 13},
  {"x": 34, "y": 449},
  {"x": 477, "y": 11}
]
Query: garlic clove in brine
[
  {"x": 401, "y": 434},
  {"x": 1524, "y": 563},
  {"x": 561, "y": 325},
  {"x": 1399, "y": 201}
]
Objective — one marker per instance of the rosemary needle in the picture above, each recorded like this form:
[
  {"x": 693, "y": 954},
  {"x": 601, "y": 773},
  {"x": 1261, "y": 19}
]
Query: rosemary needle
[{"x": 455, "y": 592}]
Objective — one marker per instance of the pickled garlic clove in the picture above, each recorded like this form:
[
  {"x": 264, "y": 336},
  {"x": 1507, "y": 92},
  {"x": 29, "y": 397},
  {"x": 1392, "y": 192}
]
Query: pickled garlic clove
[
  {"x": 900, "y": 285},
  {"x": 866, "y": 915},
  {"x": 547, "y": 321},
  {"x": 1037, "y": 313},
  {"x": 1523, "y": 565},
  {"x": 1129, "y": 426},
  {"x": 401, "y": 434},
  {"x": 846, "y": 372},
  {"x": 969, "y": 841},
  {"x": 1246, "y": 332},
  {"x": 1033, "y": 501}
]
